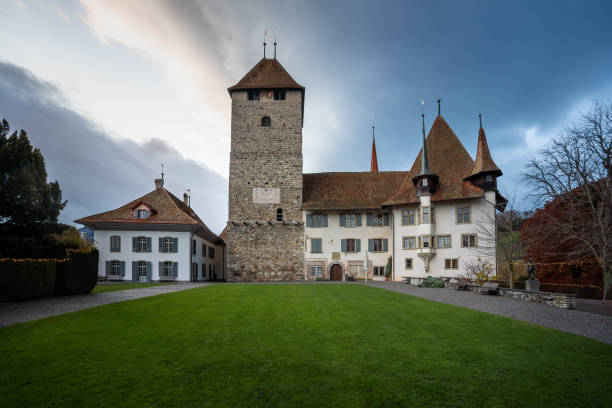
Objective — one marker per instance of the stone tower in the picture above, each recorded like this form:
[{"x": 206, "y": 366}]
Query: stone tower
[{"x": 265, "y": 230}]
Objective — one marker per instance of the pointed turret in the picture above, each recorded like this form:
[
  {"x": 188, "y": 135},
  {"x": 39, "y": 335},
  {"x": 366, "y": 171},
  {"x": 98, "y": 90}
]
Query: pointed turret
[
  {"x": 485, "y": 171},
  {"x": 374, "y": 160},
  {"x": 426, "y": 180}
]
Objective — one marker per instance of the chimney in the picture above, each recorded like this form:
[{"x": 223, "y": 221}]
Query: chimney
[
  {"x": 186, "y": 198},
  {"x": 159, "y": 183}
]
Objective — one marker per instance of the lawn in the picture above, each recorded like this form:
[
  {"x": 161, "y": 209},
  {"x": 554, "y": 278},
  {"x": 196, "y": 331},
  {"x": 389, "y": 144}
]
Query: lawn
[
  {"x": 296, "y": 346},
  {"x": 113, "y": 287}
]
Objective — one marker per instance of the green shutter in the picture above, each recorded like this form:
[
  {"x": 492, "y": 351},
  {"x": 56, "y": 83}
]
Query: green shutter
[
  {"x": 370, "y": 245},
  {"x": 343, "y": 245},
  {"x": 175, "y": 267},
  {"x": 134, "y": 244},
  {"x": 123, "y": 269},
  {"x": 358, "y": 245},
  {"x": 308, "y": 220},
  {"x": 358, "y": 220},
  {"x": 342, "y": 220},
  {"x": 385, "y": 244},
  {"x": 386, "y": 219},
  {"x": 149, "y": 271},
  {"x": 175, "y": 244},
  {"x": 149, "y": 244},
  {"x": 325, "y": 220},
  {"x": 161, "y": 269},
  {"x": 108, "y": 266},
  {"x": 161, "y": 244},
  {"x": 134, "y": 271}
]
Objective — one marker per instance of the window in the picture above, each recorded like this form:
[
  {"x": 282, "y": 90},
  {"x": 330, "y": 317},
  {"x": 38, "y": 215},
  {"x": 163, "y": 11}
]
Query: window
[
  {"x": 488, "y": 178},
  {"x": 463, "y": 215},
  {"x": 115, "y": 269},
  {"x": 253, "y": 95},
  {"x": 279, "y": 95},
  {"x": 266, "y": 121},
  {"x": 350, "y": 220},
  {"x": 452, "y": 263},
  {"x": 424, "y": 182},
  {"x": 204, "y": 250},
  {"x": 141, "y": 244},
  {"x": 444, "y": 241},
  {"x": 142, "y": 214},
  {"x": 379, "y": 271},
  {"x": 115, "y": 243},
  {"x": 315, "y": 245},
  {"x": 167, "y": 244},
  {"x": 211, "y": 252},
  {"x": 142, "y": 268},
  {"x": 351, "y": 245},
  {"x": 168, "y": 269},
  {"x": 316, "y": 220},
  {"x": 409, "y": 242},
  {"x": 316, "y": 270},
  {"x": 409, "y": 217},
  {"x": 279, "y": 214},
  {"x": 378, "y": 244},
  {"x": 408, "y": 263},
  {"x": 425, "y": 214},
  {"x": 193, "y": 246},
  {"x": 355, "y": 268},
  {"x": 425, "y": 241},
  {"x": 468, "y": 241},
  {"x": 378, "y": 220}
]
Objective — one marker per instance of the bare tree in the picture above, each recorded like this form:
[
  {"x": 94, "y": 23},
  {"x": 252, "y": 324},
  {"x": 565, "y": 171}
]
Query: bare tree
[
  {"x": 499, "y": 237},
  {"x": 572, "y": 176}
]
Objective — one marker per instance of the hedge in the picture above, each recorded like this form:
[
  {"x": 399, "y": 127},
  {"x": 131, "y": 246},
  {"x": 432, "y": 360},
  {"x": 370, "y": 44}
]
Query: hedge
[
  {"x": 26, "y": 279},
  {"x": 78, "y": 275}
]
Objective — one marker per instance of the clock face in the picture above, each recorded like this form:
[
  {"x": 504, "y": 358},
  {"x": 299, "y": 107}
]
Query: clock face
[{"x": 266, "y": 195}]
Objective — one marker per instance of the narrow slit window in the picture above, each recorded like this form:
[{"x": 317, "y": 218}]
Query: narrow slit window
[{"x": 279, "y": 214}]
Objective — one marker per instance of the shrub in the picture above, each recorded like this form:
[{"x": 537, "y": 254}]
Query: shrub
[
  {"x": 432, "y": 282},
  {"x": 26, "y": 279},
  {"x": 78, "y": 275}
]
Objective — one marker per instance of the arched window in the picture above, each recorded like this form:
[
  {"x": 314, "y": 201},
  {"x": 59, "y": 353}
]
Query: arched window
[
  {"x": 279, "y": 214},
  {"x": 266, "y": 121}
]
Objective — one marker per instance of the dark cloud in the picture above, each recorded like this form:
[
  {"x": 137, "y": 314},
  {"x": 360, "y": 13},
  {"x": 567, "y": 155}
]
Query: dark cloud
[{"x": 97, "y": 172}]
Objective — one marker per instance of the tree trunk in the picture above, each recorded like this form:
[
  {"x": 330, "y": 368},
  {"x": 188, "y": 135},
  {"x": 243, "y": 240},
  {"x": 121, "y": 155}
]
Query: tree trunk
[
  {"x": 511, "y": 268},
  {"x": 607, "y": 281}
]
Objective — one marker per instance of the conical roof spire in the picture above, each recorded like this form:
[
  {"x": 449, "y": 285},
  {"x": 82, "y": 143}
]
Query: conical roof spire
[
  {"x": 424, "y": 163},
  {"x": 374, "y": 160},
  {"x": 484, "y": 162}
]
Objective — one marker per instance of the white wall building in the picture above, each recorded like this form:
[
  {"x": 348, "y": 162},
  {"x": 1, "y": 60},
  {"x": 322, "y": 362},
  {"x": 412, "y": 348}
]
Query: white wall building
[{"x": 156, "y": 237}]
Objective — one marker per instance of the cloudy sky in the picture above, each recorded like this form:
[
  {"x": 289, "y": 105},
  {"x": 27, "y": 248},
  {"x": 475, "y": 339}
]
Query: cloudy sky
[{"x": 111, "y": 89}]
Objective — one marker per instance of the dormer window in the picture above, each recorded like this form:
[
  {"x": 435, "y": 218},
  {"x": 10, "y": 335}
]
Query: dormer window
[
  {"x": 266, "y": 121},
  {"x": 142, "y": 213}
]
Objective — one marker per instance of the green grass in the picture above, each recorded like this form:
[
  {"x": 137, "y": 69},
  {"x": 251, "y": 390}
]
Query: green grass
[
  {"x": 125, "y": 286},
  {"x": 296, "y": 346}
]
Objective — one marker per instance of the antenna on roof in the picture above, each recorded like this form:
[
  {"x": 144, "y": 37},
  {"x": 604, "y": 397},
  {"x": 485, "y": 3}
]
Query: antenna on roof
[
  {"x": 162, "y": 181},
  {"x": 275, "y": 35},
  {"x": 439, "y": 101},
  {"x": 264, "y": 43},
  {"x": 480, "y": 119}
]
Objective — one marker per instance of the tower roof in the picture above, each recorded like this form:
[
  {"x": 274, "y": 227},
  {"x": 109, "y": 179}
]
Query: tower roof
[
  {"x": 374, "y": 160},
  {"x": 484, "y": 162},
  {"x": 267, "y": 73}
]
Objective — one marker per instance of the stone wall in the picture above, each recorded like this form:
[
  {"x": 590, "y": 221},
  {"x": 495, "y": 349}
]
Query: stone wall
[
  {"x": 563, "y": 300},
  {"x": 265, "y": 251}
]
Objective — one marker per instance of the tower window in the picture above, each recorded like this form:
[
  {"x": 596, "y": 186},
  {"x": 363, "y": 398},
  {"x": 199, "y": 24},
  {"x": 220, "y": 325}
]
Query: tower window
[
  {"x": 279, "y": 214},
  {"x": 253, "y": 95},
  {"x": 279, "y": 95},
  {"x": 266, "y": 121}
]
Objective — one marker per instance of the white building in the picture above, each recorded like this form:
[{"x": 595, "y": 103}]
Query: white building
[
  {"x": 428, "y": 220},
  {"x": 156, "y": 237}
]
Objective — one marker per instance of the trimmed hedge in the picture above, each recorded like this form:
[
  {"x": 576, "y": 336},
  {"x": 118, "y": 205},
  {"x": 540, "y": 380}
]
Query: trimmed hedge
[
  {"x": 78, "y": 275},
  {"x": 432, "y": 282},
  {"x": 27, "y": 279}
]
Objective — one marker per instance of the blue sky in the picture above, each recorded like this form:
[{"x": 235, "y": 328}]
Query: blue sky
[{"x": 114, "y": 88}]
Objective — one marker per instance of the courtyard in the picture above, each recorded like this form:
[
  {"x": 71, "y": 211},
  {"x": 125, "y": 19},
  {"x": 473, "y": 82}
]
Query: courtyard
[{"x": 296, "y": 345}]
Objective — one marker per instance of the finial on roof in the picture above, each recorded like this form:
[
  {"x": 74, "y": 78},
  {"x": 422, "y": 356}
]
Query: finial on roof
[
  {"x": 480, "y": 119},
  {"x": 374, "y": 159},
  {"x": 275, "y": 35},
  {"x": 439, "y": 101}
]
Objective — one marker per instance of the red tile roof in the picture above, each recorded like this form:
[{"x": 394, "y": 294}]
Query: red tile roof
[
  {"x": 166, "y": 209},
  {"x": 374, "y": 160},
  {"x": 484, "y": 162},
  {"x": 267, "y": 73}
]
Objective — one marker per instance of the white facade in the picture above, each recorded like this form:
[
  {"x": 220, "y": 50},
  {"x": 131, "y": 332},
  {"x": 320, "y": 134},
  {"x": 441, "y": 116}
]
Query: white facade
[
  {"x": 432, "y": 260},
  {"x": 181, "y": 255}
]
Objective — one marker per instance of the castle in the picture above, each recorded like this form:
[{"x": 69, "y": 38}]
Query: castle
[{"x": 286, "y": 225}]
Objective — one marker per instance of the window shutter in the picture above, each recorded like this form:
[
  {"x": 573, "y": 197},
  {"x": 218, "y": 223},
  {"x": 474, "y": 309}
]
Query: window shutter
[
  {"x": 161, "y": 244},
  {"x": 175, "y": 244},
  {"x": 175, "y": 266},
  {"x": 369, "y": 221},
  {"x": 161, "y": 269},
  {"x": 343, "y": 245},
  {"x": 342, "y": 220},
  {"x": 325, "y": 220},
  {"x": 149, "y": 271},
  {"x": 123, "y": 269},
  {"x": 358, "y": 216},
  {"x": 386, "y": 220},
  {"x": 357, "y": 245},
  {"x": 118, "y": 243},
  {"x": 134, "y": 244},
  {"x": 108, "y": 264},
  {"x": 385, "y": 244},
  {"x": 370, "y": 245},
  {"x": 316, "y": 245},
  {"x": 134, "y": 271},
  {"x": 149, "y": 245},
  {"x": 309, "y": 220}
]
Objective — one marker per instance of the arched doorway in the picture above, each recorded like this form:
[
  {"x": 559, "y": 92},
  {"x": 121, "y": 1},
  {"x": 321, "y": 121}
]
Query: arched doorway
[{"x": 335, "y": 272}]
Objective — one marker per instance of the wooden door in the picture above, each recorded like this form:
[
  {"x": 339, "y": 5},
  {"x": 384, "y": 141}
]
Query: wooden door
[{"x": 335, "y": 273}]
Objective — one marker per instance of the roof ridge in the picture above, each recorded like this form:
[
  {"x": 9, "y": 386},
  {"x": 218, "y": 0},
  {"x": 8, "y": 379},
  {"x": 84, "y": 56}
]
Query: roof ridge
[{"x": 174, "y": 200}]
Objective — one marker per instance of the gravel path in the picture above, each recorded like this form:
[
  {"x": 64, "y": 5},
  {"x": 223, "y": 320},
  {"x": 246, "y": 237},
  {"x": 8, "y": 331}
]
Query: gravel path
[
  {"x": 17, "y": 312},
  {"x": 596, "y": 326}
]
